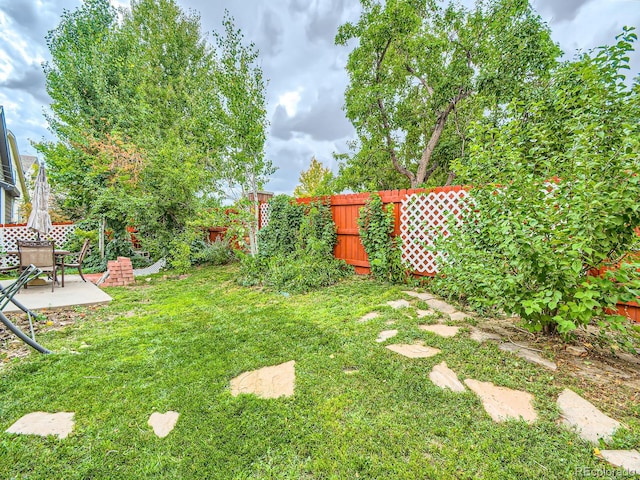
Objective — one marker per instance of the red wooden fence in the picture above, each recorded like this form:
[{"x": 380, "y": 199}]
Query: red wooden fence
[{"x": 346, "y": 209}]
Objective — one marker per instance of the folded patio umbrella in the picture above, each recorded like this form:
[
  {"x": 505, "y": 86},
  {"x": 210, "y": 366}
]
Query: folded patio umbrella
[{"x": 39, "y": 220}]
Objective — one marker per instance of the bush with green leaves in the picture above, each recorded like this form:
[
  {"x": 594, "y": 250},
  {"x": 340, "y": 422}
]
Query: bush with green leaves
[
  {"x": 295, "y": 249},
  {"x": 376, "y": 224},
  {"x": 556, "y": 196},
  {"x": 218, "y": 252},
  {"x": 280, "y": 236}
]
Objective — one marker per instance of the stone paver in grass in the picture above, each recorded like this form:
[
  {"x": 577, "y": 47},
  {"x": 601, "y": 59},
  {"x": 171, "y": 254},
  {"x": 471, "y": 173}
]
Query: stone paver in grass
[
  {"x": 163, "y": 423},
  {"x": 629, "y": 460},
  {"x": 43, "y": 424},
  {"x": 528, "y": 355},
  {"x": 386, "y": 335},
  {"x": 482, "y": 336},
  {"x": 443, "y": 377},
  {"x": 268, "y": 382},
  {"x": 590, "y": 423},
  {"x": 503, "y": 403},
  {"x": 414, "y": 351},
  {"x": 399, "y": 304},
  {"x": 424, "y": 313},
  {"x": 369, "y": 316},
  {"x": 459, "y": 316},
  {"x": 420, "y": 296},
  {"x": 441, "y": 306},
  {"x": 446, "y": 331},
  {"x": 350, "y": 370}
]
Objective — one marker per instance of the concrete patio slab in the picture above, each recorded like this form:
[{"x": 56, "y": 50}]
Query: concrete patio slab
[
  {"x": 75, "y": 292},
  {"x": 267, "y": 382},
  {"x": 590, "y": 423},
  {"x": 44, "y": 424},
  {"x": 163, "y": 423}
]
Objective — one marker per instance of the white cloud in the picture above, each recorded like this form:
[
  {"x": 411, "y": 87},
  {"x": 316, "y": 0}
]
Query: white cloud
[
  {"x": 305, "y": 69},
  {"x": 289, "y": 100}
]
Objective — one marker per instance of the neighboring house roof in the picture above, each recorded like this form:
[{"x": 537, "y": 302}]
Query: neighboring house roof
[
  {"x": 17, "y": 167},
  {"x": 7, "y": 182},
  {"x": 27, "y": 162}
]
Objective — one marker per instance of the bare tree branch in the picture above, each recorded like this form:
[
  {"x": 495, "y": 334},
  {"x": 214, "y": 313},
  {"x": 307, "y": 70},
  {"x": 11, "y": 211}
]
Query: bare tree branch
[
  {"x": 394, "y": 158},
  {"x": 435, "y": 137},
  {"x": 423, "y": 81}
]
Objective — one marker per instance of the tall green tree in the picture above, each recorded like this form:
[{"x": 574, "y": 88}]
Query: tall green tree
[
  {"x": 243, "y": 118},
  {"x": 316, "y": 181},
  {"x": 421, "y": 71},
  {"x": 150, "y": 118}
]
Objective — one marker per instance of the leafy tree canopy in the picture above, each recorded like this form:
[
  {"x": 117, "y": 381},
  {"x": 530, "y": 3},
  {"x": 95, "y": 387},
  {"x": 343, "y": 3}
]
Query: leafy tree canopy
[
  {"x": 421, "y": 71},
  {"x": 142, "y": 109},
  {"x": 316, "y": 181}
]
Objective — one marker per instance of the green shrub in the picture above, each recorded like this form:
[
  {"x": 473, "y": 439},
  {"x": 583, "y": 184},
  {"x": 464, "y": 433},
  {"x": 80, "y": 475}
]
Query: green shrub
[
  {"x": 556, "y": 195},
  {"x": 218, "y": 252},
  {"x": 300, "y": 260},
  {"x": 376, "y": 224},
  {"x": 280, "y": 236}
]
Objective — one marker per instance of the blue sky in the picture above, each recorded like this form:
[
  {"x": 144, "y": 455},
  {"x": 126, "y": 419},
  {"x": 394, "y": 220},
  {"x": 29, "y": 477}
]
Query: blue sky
[{"x": 296, "y": 41}]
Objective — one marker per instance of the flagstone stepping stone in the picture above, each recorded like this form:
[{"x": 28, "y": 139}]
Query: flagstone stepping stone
[
  {"x": 414, "y": 351},
  {"x": 441, "y": 306},
  {"x": 458, "y": 316},
  {"x": 399, "y": 304},
  {"x": 267, "y": 382},
  {"x": 369, "y": 316},
  {"x": 446, "y": 331},
  {"x": 420, "y": 296},
  {"x": 503, "y": 403},
  {"x": 43, "y": 424},
  {"x": 481, "y": 336},
  {"x": 386, "y": 335},
  {"x": 443, "y": 377},
  {"x": 590, "y": 423},
  {"x": 576, "y": 351},
  {"x": 528, "y": 355},
  {"x": 350, "y": 370},
  {"x": 425, "y": 313},
  {"x": 163, "y": 423},
  {"x": 629, "y": 460}
]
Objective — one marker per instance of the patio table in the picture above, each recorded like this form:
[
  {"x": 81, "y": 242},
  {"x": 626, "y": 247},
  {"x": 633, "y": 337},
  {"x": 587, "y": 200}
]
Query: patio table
[{"x": 59, "y": 254}]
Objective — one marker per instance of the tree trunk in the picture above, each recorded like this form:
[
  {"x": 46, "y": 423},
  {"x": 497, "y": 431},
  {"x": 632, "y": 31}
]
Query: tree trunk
[{"x": 424, "y": 172}]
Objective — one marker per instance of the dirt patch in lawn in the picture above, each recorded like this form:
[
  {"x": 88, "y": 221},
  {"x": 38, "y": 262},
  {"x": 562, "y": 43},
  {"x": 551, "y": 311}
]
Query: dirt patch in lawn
[
  {"x": 616, "y": 373},
  {"x": 12, "y": 347}
]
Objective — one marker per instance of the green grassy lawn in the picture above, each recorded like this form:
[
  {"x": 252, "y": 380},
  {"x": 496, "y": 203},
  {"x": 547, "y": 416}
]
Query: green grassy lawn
[{"x": 175, "y": 344}]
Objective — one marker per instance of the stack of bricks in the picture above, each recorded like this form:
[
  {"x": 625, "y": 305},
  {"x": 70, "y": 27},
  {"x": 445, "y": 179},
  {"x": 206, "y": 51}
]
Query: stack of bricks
[{"x": 120, "y": 273}]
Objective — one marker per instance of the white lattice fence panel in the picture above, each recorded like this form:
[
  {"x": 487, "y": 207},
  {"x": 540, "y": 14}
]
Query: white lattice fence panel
[
  {"x": 422, "y": 219},
  {"x": 9, "y": 237},
  {"x": 265, "y": 213}
]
